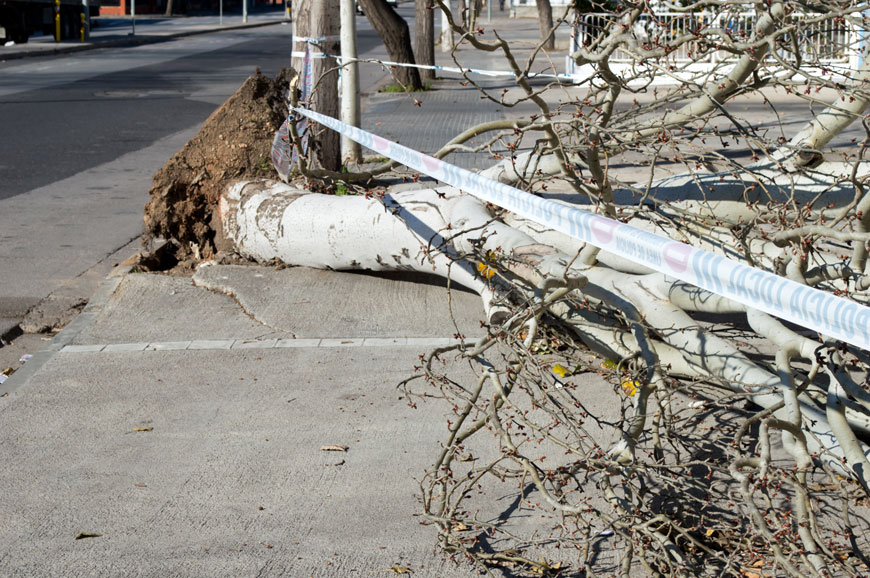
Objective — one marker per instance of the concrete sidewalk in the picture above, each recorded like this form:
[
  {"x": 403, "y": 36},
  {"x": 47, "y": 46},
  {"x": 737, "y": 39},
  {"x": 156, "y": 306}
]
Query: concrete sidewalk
[
  {"x": 229, "y": 478},
  {"x": 177, "y": 428}
]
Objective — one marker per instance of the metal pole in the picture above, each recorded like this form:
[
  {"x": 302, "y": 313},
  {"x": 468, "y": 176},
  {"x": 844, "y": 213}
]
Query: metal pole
[
  {"x": 133, "y": 16},
  {"x": 350, "y": 105},
  {"x": 245, "y": 11},
  {"x": 489, "y": 10},
  {"x": 86, "y": 25},
  {"x": 57, "y": 20},
  {"x": 221, "y": 8}
]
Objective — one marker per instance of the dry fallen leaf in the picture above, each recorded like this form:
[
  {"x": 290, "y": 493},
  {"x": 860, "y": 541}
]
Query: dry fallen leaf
[
  {"x": 334, "y": 448},
  {"x": 545, "y": 568},
  {"x": 83, "y": 535},
  {"x": 145, "y": 428},
  {"x": 750, "y": 574}
]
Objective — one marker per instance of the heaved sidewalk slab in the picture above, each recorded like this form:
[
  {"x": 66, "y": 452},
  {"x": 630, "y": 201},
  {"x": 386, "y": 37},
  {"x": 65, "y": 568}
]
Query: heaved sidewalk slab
[
  {"x": 154, "y": 308},
  {"x": 312, "y": 303}
]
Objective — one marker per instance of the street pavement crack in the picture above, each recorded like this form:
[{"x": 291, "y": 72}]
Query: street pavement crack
[{"x": 228, "y": 292}]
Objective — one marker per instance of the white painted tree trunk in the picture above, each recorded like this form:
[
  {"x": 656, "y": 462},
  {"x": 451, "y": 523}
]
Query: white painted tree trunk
[{"x": 267, "y": 220}]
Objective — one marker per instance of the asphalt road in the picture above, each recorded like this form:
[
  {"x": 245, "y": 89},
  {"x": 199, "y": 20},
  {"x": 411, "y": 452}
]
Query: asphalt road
[
  {"x": 82, "y": 134},
  {"x": 89, "y": 118}
]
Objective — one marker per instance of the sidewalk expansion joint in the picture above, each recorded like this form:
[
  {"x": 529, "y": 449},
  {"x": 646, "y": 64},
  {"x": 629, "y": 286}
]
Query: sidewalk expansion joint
[{"x": 236, "y": 344}]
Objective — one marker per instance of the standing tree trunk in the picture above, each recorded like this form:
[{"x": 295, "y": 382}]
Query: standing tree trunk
[
  {"x": 478, "y": 7},
  {"x": 394, "y": 33},
  {"x": 545, "y": 22},
  {"x": 168, "y": 7},
  {"x": 318, "y": 19},
  {"x": 424, "y": 37},
  {"x": 446, "y": 31},
  {"x": 461, "y": 16}
]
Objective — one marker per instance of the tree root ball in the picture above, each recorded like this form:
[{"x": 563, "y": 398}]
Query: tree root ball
[{"x": 234, "y": 143}]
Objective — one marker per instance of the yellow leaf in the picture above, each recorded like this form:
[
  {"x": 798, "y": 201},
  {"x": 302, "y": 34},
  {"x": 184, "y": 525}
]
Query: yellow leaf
[
  {"x": 710, "y": 532},
  {"x": 608, "y": 364},
  {"x": 460, "y": 527},
  {"x": 629, "y": 386},
  {"x": 466, "y": 457},
  {"x": 560, "y": 370},
  {"x": 401, "y": 570},
  {"x": 485, "y": 271},
  {"x": 146, "y": 428}
]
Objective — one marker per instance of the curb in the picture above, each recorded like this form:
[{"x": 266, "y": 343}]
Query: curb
[
  {"x": 134, "y": 41},
  {"x": 98, "y": 300}
]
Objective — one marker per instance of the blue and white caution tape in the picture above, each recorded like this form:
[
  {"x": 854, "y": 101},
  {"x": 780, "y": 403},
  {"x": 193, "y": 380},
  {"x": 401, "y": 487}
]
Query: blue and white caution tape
[
  {"x": 319, "y": 40},
  {"x": 300, "y": 54},
  {"x": 800, "y": 304},
  {"x": 453, "y": 69}
]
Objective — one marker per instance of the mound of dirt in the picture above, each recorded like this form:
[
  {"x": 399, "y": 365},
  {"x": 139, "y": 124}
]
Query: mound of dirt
[{"x": 234, "y": 143}]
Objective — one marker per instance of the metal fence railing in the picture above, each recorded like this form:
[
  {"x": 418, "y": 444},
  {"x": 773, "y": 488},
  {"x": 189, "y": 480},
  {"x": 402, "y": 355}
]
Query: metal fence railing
[{"x": 826, "y": 41}]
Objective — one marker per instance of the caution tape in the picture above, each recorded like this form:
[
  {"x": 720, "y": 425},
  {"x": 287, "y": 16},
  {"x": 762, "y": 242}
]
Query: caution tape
[
  {"x": 300, "y": 54},
  {"x": 453, "y": 69},
  {"x": 806, "y": 306},
  {"x": 319, "y": 40}
]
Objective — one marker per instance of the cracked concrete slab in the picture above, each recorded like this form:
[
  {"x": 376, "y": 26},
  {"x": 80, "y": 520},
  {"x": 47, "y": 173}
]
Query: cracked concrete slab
[
  {"x": 225, "y": 476},
  {"x": 333, "y": 304},
  {"x": 150, "y": 307}
]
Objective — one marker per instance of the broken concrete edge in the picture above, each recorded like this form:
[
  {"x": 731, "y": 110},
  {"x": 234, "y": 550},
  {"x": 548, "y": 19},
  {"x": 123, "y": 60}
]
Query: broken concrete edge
[
  {"x": 134, "y": 41},
  {"x": 51, "y": 313},
  {"x": 21, "y": 377}
]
